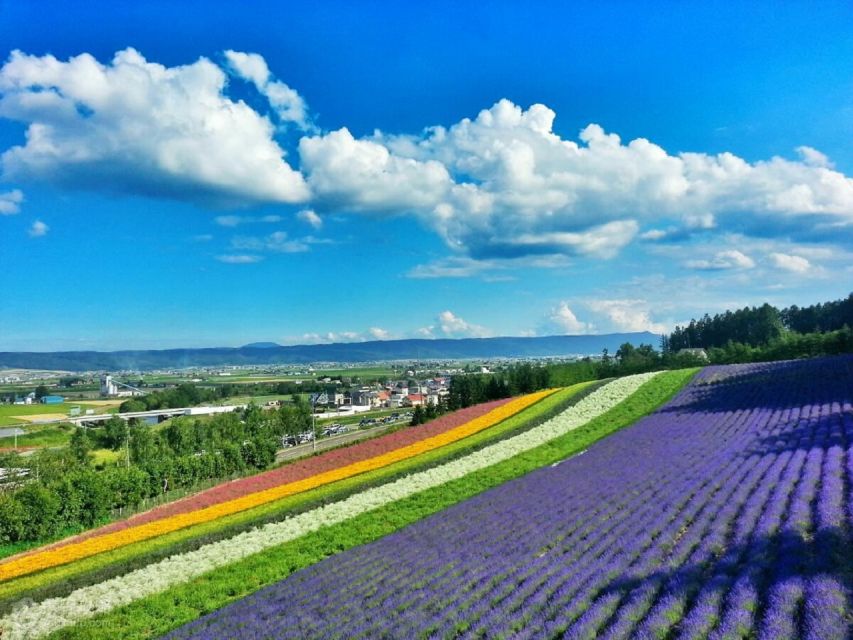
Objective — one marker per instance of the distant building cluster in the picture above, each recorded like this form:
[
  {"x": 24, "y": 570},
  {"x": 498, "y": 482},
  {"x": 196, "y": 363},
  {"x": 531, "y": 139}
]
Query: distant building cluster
[
  {"x": 31, "y": 398},
  {"x": 394, "y": 394}
]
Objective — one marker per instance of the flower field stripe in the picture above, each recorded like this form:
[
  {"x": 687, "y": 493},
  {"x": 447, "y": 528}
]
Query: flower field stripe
[
  {"x": 61, "y": 580},
  {"x": 75, "y": 551},
  {"x": 289, "y": 472},
  {"x": 54, "y": 614},
  {"x": 728, "y": 518}
]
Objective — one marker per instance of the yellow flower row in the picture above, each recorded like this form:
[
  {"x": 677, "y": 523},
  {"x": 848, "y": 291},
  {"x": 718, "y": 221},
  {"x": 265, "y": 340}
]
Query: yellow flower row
[{"x": 113, "y": 540}]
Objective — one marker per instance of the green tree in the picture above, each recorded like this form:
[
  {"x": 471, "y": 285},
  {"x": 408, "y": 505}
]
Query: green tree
[
  {"x": 115, "y": 433},
  {"x": 81, "y": 445},
  {"x": 42, "y": 508},
  {"x": 13, "y": 519},
  {"x": 94, "y": 496},
  {"x": 143, "y": 445}
]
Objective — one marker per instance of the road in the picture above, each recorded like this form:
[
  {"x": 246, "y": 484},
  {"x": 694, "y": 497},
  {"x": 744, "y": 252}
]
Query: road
[{"x": 302, "y": 450}]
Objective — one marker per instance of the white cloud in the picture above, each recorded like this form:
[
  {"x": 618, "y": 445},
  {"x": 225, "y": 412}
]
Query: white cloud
[
  {"x": 814, "y": 158},
  {"x": 228, "y": 221},
  {"x": 452, "y": 326},
  {"x": 361, "y": 175},
  {"x": 239, "y": 259},
  {"x": 38, "y": 229},
  {"x": 453, "y": 267},
  {"x": 655, "y": 234},
  {"x": 276, "y": 242},
  {"x": 426, "y": 332},
  {"x": 373, "y": 333},
  {"x": 133, "y": 126},
  {"x": 378, "y": 333},
  {"x": 566, "y": 321},
  {"x": 627, "y": 315},
  {"x": 519, "y": 187},
  {"x": 310, "y": 217},
  {"x": 234, "y": 221},
  {"x": 792, "y": 263},
  {"x": 288, "y": 104},
  {"x": 489, "y": 270},
  {"x": 497, "y": 187},
  {"x": 732, "y": 259},
  {"x": 10, "y": 202}
]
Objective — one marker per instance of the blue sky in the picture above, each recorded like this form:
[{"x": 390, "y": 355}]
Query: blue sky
[{"x": 203, "y": 174}]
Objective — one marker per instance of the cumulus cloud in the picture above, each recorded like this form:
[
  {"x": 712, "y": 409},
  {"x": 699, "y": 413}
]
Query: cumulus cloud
[
  {"x": 519, "y": 187},
  {"x": 732, "y": 259},
  {"x": 499, "y": 186},
  {"x": 814, "y": 158},
  {"x": 310, "y": 217},
  {"x": 363, "y": 175},
  {"x": 239, "y": 258},
  {"x": 288, "y": 104},
  {"x": 452, "y": 326},
  {"x": 565, "y": 320},
  {"x": 134, "y": 126},
  {"x": 38, "y": 229},
  {"x": 377, "y": 333},
  {"x": 10, "y": 202},
  {"x": 627, "y": 315},
  {"x": 792, "y": 263},
  {"x": 448, "y": 325}
]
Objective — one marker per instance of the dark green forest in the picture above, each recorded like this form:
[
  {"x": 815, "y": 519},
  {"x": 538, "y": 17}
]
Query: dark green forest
[{"x": 761, "y": 326}]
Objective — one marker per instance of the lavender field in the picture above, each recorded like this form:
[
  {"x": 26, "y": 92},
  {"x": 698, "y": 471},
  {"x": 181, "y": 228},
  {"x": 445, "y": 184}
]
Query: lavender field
[{"x": 726, "y": 514}]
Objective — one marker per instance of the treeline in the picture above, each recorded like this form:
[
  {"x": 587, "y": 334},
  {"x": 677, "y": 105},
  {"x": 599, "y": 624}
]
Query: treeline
[
  {"x": 469, "y": 389},
  {"x": 184, "y": 395},
  {"x": 788, "y": 346},
  {"x": 761, "y": 326},
  {"x": 475, "y": 388},
  {"x": 62, "y": 491}
]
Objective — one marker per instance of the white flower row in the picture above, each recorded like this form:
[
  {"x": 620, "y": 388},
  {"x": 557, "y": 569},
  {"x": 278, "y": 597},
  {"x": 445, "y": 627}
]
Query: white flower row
[{"x": 42, "y": 618}]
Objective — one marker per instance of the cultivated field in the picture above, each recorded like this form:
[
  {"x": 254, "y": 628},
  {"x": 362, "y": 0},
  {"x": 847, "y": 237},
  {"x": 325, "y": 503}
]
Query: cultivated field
[
  {"x": 723, "y": 514},
  {"x": 22, "y": 413}
]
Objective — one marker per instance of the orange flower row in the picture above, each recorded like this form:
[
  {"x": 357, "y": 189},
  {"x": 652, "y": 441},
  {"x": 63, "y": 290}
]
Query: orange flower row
[{"x": 92, "y": 546}]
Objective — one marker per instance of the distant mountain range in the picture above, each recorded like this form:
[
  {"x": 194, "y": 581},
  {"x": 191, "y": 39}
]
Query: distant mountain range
[{"x": 272, "y": 353}]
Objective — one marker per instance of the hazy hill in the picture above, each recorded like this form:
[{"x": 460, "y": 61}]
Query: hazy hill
[{"x": 271, "y": 353}]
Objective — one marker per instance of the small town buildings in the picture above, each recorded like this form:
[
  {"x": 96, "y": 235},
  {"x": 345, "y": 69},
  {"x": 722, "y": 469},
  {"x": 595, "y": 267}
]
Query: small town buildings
[
  {"x": 413, "y": 400},
  {"x": 52, "y": 400}
]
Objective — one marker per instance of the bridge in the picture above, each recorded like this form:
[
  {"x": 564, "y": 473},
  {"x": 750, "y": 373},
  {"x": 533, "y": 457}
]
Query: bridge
[{"x": 160, "y": 414}]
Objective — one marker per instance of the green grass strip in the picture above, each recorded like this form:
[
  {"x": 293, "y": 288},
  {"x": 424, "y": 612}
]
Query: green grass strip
[
  {"x": 63, "y": 579},
  {"x": 160, "y": 613}
]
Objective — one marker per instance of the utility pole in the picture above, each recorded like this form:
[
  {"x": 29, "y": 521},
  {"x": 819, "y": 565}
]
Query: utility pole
[{"x": 315, "y": 398}]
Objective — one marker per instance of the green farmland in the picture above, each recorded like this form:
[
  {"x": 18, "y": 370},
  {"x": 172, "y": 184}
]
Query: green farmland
[{"x": 22, "y": 413}]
